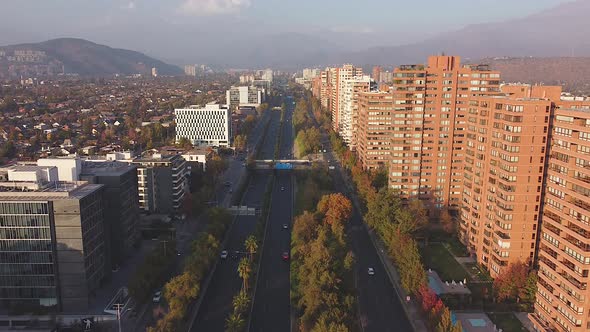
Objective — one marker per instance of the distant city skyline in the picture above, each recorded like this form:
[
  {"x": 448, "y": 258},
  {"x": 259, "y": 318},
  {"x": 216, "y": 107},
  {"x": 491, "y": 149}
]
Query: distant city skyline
[{"x": 164, "y": 29}]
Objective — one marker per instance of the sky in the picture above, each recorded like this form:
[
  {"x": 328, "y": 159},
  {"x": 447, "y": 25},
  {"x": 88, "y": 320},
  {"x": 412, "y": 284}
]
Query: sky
[{"x": 169, "y": 28}]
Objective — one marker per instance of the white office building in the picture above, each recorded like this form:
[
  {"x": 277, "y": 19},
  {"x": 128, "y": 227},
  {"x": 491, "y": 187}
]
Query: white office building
[
  {"x": 209, "y": 126},
  {"x": 238, "y": 96}
]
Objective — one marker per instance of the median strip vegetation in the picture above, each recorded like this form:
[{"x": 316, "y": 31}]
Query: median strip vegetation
[
  {"x": 183, "y": 289},
  {"x": 322, "y": 281},
  {"x": 307, "y": 136}
]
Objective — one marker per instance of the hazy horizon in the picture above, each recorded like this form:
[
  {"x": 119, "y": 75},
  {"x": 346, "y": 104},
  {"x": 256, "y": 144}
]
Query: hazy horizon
[{"x": 185, "y": 31}]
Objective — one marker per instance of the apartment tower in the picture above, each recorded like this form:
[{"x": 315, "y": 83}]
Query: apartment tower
[
  {"x": 338, "y": 77},
  {"x": 504, "y": 162},
  {"x": 431, "y": 104},
  {"x": 564, "y": 249},
  {"x": 375, "y": 119}
]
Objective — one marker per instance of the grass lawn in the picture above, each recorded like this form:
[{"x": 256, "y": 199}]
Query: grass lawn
[
  {"x": 456, "y": 247},
  {"x": 435, "y": 256},
  {"x": 507, "y": 322},
  {"x": 478, "y": 272}
]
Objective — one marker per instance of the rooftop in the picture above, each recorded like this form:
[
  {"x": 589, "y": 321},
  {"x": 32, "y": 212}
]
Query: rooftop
[
  {"x": 105, "y": 168},
  {"x": 53, "y": 191}
]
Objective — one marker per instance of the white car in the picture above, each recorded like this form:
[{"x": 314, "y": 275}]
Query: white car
[
  {"x": 157, "y": 297},
  {"x": 285, "y": 226},
  {"x": 371, "y": 271},
  {"x": 224, "y": 254},
  {"x": 282, "y": 188}
]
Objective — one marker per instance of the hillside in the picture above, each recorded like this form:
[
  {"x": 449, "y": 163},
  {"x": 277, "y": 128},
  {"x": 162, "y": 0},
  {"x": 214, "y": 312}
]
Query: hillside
[
  {"x": 572, "y": 73},
  {"x": 78, "y": 56}
]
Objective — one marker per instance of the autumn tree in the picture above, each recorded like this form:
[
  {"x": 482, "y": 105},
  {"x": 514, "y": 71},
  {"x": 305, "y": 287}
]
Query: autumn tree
[
  {"x": 510, "y": 281},
  {"x": 445, "y": 323},
  {"x": 447, "y": 221}
]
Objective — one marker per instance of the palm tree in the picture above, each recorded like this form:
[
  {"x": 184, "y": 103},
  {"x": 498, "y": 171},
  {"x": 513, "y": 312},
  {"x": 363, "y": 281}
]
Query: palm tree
[
  {"x": 251, "y": 245},
  {"x": 244, "y": 272},
  {"x": 241, "y": 301},
  {"x": 234, "y": 323}
]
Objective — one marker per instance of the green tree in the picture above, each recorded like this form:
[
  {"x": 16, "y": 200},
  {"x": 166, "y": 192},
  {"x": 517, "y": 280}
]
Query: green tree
[
  {"x": 235, "y": 323},
  {"x": 251, "y": 245},
  {"x": 445, "y": 323},
  {"x": 244, "y": 270},
  {"x": 241, "y": 302}
]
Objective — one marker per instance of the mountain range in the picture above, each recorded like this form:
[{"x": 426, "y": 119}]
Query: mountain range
[
  {"x": 85, "y": 58},
  {"x": 556, "y": 32}
]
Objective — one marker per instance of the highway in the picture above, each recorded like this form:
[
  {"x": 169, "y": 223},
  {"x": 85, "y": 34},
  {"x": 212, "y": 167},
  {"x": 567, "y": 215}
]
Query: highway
[
  {"x": 226, "y": 283},
  {"x": 380, "y": 309},
  {"x": 271, "y": 307}
]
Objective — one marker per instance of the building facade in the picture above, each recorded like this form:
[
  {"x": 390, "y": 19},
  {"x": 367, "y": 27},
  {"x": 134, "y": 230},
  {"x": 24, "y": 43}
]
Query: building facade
[
  {"x": 209, "y": 126},
  {"x": 564, "y": 248},
  {"x": 121, "y": 206},
  {"x": 51, "y": 244},
  {"x": 162, "y": 183},
  {"x": 338, "y": 77},
  {"x": 349, "y": 110},
  {"x": 238, "y": 96},
  {"x": 373, "y": 136},
  {"x": 503, "y": 168},
  {"x": 431, "y": 106}
]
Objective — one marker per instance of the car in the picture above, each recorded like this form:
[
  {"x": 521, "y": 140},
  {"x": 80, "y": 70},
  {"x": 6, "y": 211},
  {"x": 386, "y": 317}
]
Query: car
[
  {"x": 157, "y": 296},
  {"x": 243, "y": 164},
  {"x": 227, "y": 183},
  {"x": 282, "y": 188},
  {"x": 285, "y": 256},
  {"x": 224, "y": 254},
  {"x": 285, "y": 226},
  {"x": 371, "y": 271},
  {"x": 231, "y": 191},
  {"x": 178, "y": 253}
]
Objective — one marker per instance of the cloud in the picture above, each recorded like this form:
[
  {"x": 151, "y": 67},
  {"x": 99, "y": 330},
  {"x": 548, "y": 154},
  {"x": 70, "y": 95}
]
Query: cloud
[
  {"x": 129, "y": 6},
  {"x": 213, "y": 7}
]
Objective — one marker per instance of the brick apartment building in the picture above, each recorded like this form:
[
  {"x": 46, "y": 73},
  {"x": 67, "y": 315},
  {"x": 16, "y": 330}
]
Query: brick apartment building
[{"x": 431, "y": 104}]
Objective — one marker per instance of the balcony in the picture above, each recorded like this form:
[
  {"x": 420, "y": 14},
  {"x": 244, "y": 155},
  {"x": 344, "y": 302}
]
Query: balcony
[
  {"x": 553, "y": 216},
  {"x": 579, "y": 285},
  {"x": 579, "y": 203}
]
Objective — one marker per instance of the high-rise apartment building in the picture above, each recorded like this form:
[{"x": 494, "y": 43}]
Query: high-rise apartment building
[
  {"x": 373, "y": 136},
  {"x": 208, "y": 126},
  {"x": 190, "y": 70},
  {"x": 431, "y": 103},
  {"x": 564, "y": 248},
  {"x": 338, "y": 77},
  {"x": 503, "y": 166},
  {"x": 350, "y": 91},
  {"x": 52, "y": 251}
]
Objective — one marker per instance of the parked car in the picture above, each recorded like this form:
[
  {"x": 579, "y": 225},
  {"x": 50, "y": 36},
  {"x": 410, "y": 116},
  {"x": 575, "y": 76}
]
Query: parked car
[{"x": 157, "y": 296}]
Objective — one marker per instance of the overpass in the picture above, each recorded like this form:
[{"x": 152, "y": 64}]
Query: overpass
[{"x": 283, "y": 164}]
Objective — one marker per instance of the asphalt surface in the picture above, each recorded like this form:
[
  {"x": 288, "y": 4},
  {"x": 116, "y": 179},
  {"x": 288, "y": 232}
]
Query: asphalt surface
[
  {"x": 271, "y": 307},
  {"x": 226, "y": 283},
  {"x": 380, "y": 309}
]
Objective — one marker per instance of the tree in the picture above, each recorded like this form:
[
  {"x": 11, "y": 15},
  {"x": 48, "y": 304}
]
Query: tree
[
  {"x": 527, "y": 293},
  {"x": 447, "y": 222},
  {"x": 240, "y": 142},
  {"x": 445, "y": 323},
  {"x": 235, "y": 323},
  {"x": 241, "y": 302},
  {"x": 180, "y": 291},
  {"x": 251, "y": 245},
  {"x": 337, "y": 210},
  {"x": 510, "y": 281},
  {"x": 184, "y": 143},
  {"x": 244, "y": 270}
]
